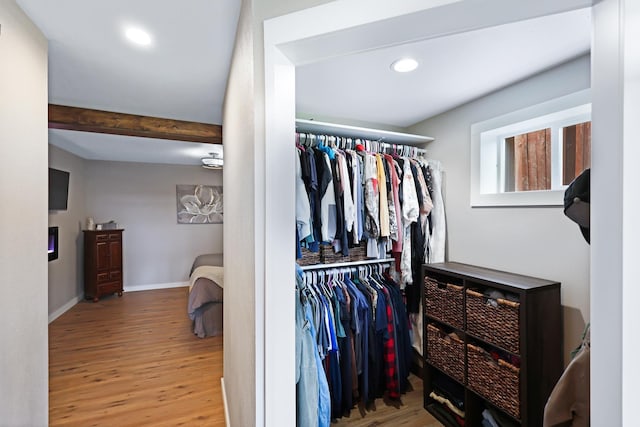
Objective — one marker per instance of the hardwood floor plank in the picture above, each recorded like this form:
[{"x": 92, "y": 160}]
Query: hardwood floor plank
[
  {"x": 133, "y": 361},
  {"x": 409, "y": 414}
]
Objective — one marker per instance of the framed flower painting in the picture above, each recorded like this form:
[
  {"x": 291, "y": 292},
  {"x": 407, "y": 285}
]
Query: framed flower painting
[{"x": 199, "y": 204}]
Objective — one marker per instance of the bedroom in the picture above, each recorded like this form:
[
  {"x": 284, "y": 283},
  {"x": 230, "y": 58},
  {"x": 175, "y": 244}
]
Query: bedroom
[
  {"x": 240, "y": 181},
  {"x": 141, "y": 198}
]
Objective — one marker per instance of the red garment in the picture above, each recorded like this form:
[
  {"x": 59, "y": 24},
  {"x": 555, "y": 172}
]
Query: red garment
[{"x": 391, "y": 373}]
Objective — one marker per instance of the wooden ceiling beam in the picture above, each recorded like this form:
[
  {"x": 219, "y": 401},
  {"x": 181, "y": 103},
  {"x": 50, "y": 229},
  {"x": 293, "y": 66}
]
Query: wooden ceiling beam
[{"x": 86, "y": 120}]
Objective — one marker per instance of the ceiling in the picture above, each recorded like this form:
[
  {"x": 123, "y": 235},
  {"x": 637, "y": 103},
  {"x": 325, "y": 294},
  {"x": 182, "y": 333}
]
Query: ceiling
[
  {"x": 182, "y": 75},
  {"x": 452, "y": 71}
]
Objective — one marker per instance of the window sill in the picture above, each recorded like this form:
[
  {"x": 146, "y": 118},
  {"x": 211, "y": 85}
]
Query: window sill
[{"x": 520, "y": 198}]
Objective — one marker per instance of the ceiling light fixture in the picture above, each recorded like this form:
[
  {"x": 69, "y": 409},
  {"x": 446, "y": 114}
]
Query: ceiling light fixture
[
  {"x": 404, "y": 65},
  {"x": 138, "y": 36},
  {"x": 214, "y": 161}
]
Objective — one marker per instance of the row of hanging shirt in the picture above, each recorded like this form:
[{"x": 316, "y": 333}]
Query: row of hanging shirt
[
  {"x": 388, "y": 197},
  {"x": 352, "y": 342}
]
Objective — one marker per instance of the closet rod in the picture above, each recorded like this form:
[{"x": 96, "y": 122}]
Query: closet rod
[
  {"x": 346, "y": 264},
  {"x": 325, "y": 128},
  {"x": 342, "y": 142}
]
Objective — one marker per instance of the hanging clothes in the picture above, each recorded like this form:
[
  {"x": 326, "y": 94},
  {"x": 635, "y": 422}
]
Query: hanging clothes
[
  {"x": 312, "y": 390},
  {"x": 410, "y": 214},
  {"x": 395, "y": 207},
  {"x": 327, "y": 198},
  {"x": 352, "y": 194},
  {"x": 355, "y": 322},
  {"x": 437, "y": 242},
  {"x": 303, "y": 208},
  {"x": 365, "y": 198},
  {"x": 382, "y": 192}
]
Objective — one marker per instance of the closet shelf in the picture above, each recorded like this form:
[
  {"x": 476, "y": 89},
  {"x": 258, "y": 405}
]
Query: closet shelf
[
  {"x": 442, "y": 322},
  {"x": 324, "y": 128},
  {"x": 346, "y": 264}
]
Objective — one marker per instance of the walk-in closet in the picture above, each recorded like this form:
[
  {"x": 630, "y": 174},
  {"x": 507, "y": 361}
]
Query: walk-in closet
[
  {"x": 391, "y": 209},
  {"x": 369, "y": 214}
]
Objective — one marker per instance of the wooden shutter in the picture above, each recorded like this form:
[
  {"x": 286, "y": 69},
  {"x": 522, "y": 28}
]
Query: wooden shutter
[
  {"x": 532, "y": 158},
  {"x": 576, "y": 150}
]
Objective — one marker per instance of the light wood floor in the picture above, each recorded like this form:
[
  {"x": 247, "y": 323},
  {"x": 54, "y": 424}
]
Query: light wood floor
[
  {"x": 409, "y": 414},
  {"x": 133, "y": 361}
]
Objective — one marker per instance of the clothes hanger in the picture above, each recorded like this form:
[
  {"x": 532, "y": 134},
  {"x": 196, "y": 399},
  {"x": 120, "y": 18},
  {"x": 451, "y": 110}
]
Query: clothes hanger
[
  {"x": 298, "y": 144},
  {"x": 306, "y": 277}
]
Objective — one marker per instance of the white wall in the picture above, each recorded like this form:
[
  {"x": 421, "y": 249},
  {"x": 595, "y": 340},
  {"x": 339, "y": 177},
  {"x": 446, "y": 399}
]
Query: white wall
[
  {"x": 242, "y": 384},
  {"x": 607, "y": 190},
  {"x": 23, "y": 220},
  {"x": 65, "y": 273},
  {"x": 536, "y": 241},
  {"x": 630, "y": 49},
  {"x": 243, "y": 118},
  {"x": 615, "y": 235},
  {"x": 141, "y": 198}
]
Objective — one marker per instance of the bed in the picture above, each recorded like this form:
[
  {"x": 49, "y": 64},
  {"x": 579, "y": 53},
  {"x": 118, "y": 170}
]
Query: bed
[{"x": 206, "y": 281}]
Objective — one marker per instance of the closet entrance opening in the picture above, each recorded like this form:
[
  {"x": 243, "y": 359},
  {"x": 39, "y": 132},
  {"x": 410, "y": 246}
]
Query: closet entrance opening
[{"x": 337, "y": 105}]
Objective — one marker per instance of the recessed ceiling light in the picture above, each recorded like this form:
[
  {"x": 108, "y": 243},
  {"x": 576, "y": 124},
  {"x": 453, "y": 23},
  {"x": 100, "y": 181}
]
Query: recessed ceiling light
[
  {"x": 138, "y": 36},
  {"x": 404, "y": 65}
]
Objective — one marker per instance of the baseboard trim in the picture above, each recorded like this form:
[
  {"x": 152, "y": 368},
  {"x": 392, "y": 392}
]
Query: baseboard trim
[
  {"x": 59, "y": 312},
  {"x": 224, "y": 400},
  {"x": 153, "y": 286}
]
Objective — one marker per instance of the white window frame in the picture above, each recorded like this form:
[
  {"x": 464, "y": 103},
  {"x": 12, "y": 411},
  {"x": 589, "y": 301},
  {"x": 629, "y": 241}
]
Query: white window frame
[{"x": 488, "y": 150}]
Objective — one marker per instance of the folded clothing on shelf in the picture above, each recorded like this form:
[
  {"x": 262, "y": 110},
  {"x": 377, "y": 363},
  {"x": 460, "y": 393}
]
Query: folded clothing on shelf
[
  {"x": 449, "y": 419},
  {"x": 493, "y": 295},
  {"x": 451, "y": 390},
  {"x": 494, "y": 418},
  {"x": 507, "y": 357}
]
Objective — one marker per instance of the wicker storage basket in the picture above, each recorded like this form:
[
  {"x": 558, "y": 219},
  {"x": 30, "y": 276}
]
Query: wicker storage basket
[
  {"x": 445, "y": 352},
  {"x": 358, "y": 253},
  {"x": 328, "y": 256},
  {"x": 308, "y": 257},
  {"x": 499, "y": 381},
  {"x": 444, "y": 301},
  {"x": 497, "y": 325}
]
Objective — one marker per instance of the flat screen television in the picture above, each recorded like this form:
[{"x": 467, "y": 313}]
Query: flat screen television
[{"x": 58, "y": 189}]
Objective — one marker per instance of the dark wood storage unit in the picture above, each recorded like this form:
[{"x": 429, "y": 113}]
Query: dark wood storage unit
[
  {"x": 528, "y": 331},
  {"x": 102, "y": 263}
]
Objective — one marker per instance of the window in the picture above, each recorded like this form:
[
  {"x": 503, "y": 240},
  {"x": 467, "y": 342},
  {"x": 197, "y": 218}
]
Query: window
[
  {"x": 576, "y": 151},
  {"x": 527, "y": 161},
  {"x": 528, "y": 157}
]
